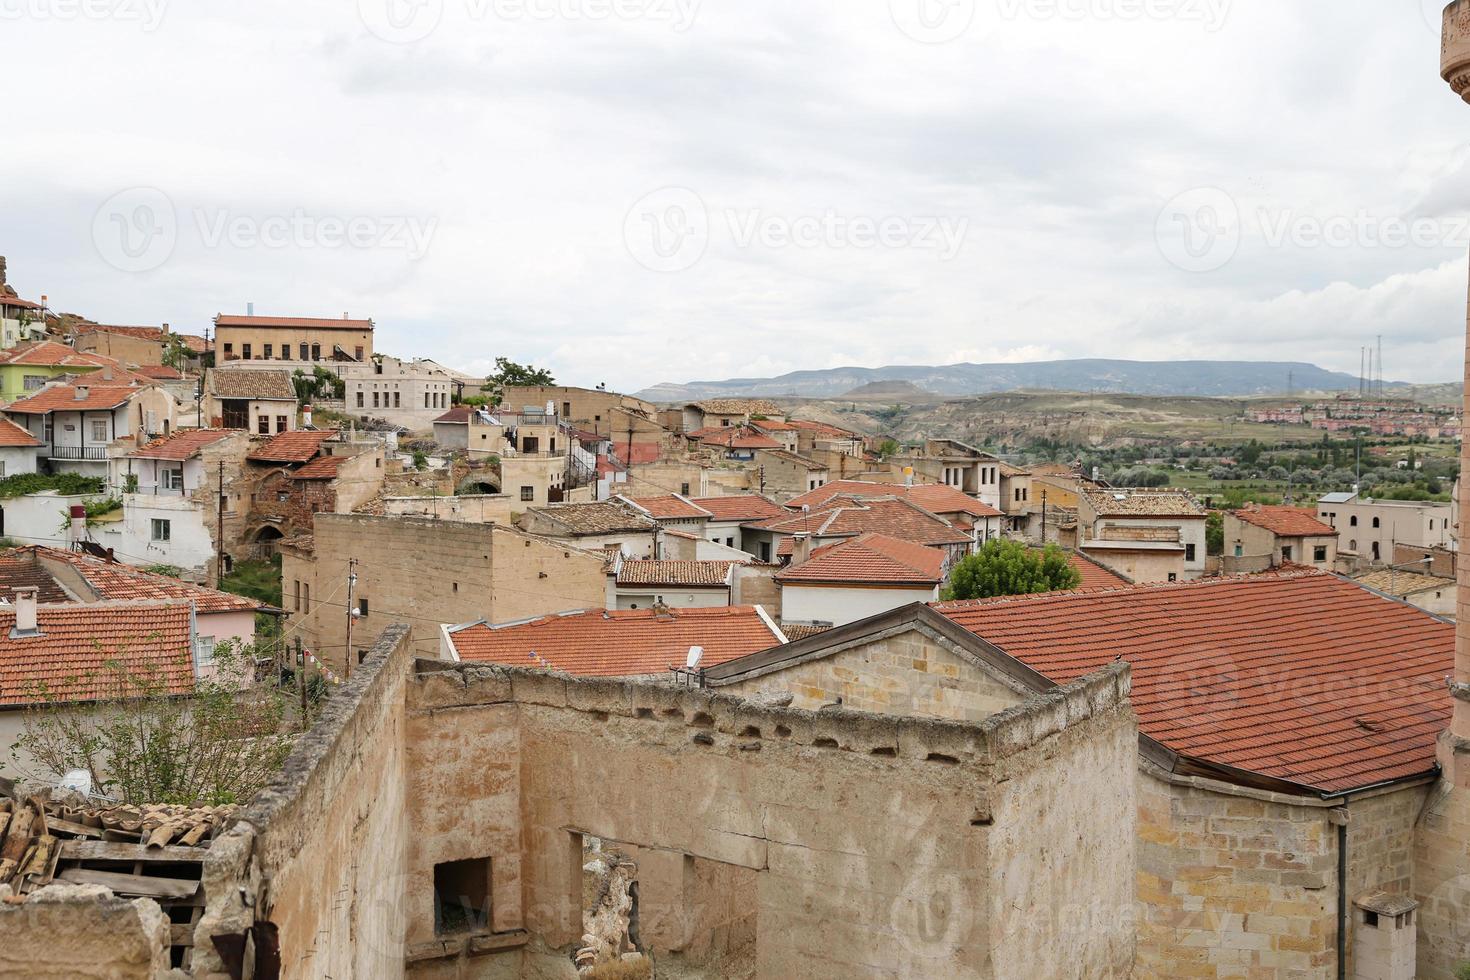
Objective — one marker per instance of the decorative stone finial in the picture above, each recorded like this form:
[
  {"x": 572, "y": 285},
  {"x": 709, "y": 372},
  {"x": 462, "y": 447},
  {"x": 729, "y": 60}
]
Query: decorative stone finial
[{"x": 1455, "y": 48}]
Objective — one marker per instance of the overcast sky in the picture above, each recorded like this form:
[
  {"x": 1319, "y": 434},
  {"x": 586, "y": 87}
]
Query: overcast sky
[{"x": 636, "y": 191}]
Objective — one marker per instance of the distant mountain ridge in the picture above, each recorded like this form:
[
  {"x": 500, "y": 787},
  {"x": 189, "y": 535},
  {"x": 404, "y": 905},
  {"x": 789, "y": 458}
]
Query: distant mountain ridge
[{"x": 1199, "y": 378}]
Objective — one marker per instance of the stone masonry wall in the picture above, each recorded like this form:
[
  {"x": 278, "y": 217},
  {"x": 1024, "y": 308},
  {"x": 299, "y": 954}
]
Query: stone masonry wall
[{"x": 1442, "y": 880}]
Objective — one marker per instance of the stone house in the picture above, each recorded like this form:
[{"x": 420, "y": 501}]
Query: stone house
[
  {"x": 297, "y": 475},
  {"x": 138, "y": 347},
  {"x": 292, "y": 338},
  {"x": 600, "y": 526},
  {"x": 736, "y": 443},
  {"x": 1269, "y": 801},
  {"x": 21, "y": 320},
  {"x": 29, "y": 367},
  {"x": 606, "y": 413},
  {"x": 1283, "y": 534},
  {"x": 721, "y": 412},
  {"x": 960, "y": 509},
  {"x": 673, "y": 512},
  {"x": 1145, "y": 535},
  {"x": 858, "y": 578},
  {"x": 1369, "y": 529},
  {"x": 84, "y": 428},
  {"x": 425, "y": 572},
  {"x": 410, "y": 394},
  {"x": 780, "y": 430},
  {"x": 781, "y": 473},
  {"x": 17, "y": 449},
  {"x": 262, "y": 402},
  {"x": 819, "y": 437},
  {"x": 845, "y": 517},
  {"x": 953, "y": 464},
  {"x": 452, "y": 429},
  {"x": 171, "y": 500},
  {"x": 1430, "y": 593},
  {"x": 730, "y": 514},
  {"x": 692, "y": 584}
]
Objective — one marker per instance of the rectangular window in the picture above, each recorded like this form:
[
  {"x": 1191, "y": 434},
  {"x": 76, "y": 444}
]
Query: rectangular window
[
  {"x": 296, "y": 600},
  {"x": 306, "y": 598},
  {"x": 161, "y": 529},
  {"x": 99, "y": 430},
  {"x": 1319, "y": 553},
  {"x": 173, "y": 479},
  {"x": 304, "y": 353},
  {"x": 245, "y": 351},
  {"x": 566, "y": 410},
  {"x": 285, "y": 352},
  {"x": 684, "y": 489},
  {"x": 1286, "y": 552},
  {"x": 1189, "y": 552},
  {"x": 263, "y": 425},
  {"x": 281, "y": 423},
  {"x": 359, "y": 353},
  {"x": 359, "y": 399},
  {"x": 316, "y": 352},
  {"x": 528, "y": 493},
  {"x": 462, "y": 896},
  {"x": 396, "y": 402},
  {"x": 362, "y": 606},
  {"x": 34, "y": 382},
  {"x": 375, "y": 399},
  {"x": 270, "y": 351},
  {"x": 229, "y": 351},
  {"x": 204, "y": 651}
]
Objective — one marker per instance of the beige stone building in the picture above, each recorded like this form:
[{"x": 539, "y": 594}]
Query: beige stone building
[
  {"x": 262, "y": 402},
  {"x": 1281, "y": 534},
  {"x": 1370, "y": 529},
  {"x": 1144, "y": 535},
  {"x": 411, "y": 394},
  {"x": 291, "y": 338},
  {"x": 425, "y": 573}
]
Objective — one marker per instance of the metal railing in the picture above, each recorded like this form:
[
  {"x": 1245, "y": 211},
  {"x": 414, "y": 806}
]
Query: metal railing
[{"x": 97, "y": 453}]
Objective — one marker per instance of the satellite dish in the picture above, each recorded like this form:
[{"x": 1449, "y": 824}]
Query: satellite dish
[
  {"x": 79, "y": 780},
  {"x": 696, "y": 654}
]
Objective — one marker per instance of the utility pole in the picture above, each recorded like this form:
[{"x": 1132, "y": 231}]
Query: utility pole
[
  {"x": 301, "y": 678},
  {"x": 219, "y": 551},
  {"x": 351, "y": 582},
  {"x": 761, "y": 473},
  {"x": 1043, "y": 517}
]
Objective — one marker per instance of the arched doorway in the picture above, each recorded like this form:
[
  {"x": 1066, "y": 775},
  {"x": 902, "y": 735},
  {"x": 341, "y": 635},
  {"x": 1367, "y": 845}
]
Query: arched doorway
[{"x": 265, "y": 540}]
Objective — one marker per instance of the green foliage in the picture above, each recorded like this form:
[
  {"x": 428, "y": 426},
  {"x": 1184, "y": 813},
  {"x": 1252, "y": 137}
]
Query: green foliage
[
  {"x": 509, "y": 374},
  {"x": 1462, "y": 972},
  {"x": 172, "y": 571},
  {"x": 889, "y": 447},
  {"x": 1002, "y": 568},
  {"x": 1215, "y": 533},
  {"x": 320, "y": 383},
  {"x": 888, "y": 415},
  {"x": 260, "y": 580},
  {"x": 176, "y": 353},
  {"x": 141, "y": 745},
  {"x": 94, "y": 509},
  {"x": 68, "y": 484},
  {"x": 420, "y": 460},
  {"x": 1415, "y": 491}
]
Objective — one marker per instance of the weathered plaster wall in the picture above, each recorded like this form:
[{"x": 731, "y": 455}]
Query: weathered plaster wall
[{"x": 1442, "y": 878}]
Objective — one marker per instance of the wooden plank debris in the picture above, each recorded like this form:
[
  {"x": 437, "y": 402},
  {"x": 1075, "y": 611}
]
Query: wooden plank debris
[{"x": 124, "y": 884}]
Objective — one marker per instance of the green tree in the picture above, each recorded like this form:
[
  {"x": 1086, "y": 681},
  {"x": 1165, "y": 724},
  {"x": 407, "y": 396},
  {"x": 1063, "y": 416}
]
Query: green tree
[
  {"x": 1002, "y": 568},
  {"x": 1215, "y": 533},
  {"x": 509, "y": 374},
  {"x": 889, "y": 447}
]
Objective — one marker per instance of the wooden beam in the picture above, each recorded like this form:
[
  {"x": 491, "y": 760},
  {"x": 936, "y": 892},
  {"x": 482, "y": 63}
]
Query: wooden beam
[
  {"x": 97, "y": 850},
  {"x": 132, "y": 884}
]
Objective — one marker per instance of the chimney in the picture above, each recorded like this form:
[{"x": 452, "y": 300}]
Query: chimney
[
  {"x": 165, "y": 329},
  {"x": 78, "y": 524},
  {"x": 306, "y": 416},
  {"x": 801, "y": 549},
  {"x": 26, "y": 622},
  {"x": 81, "y": 393},
  {"x": 107, "y": 372},
  {"x": 249, "y": 309},
  {"x": 1455, "y": 68}
]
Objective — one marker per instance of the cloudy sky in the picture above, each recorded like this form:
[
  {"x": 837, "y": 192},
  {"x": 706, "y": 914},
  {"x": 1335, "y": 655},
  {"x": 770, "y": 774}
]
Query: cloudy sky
[{"x": 636, "y": 191}]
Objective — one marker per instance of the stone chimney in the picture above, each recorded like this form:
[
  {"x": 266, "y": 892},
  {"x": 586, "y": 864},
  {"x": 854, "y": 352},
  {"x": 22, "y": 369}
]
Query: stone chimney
[
  {"x": 1455, "y": 67},
  {"x": 2, "y": 273},
  {"x": 801, "y": 549},
  {"x": 26, "y": 621}
]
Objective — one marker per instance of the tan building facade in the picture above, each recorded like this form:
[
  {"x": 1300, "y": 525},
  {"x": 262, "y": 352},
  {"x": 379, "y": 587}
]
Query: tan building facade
[{"x": 291, "y": 339}]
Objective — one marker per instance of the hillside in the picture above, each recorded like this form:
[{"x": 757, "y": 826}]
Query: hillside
[{"x": 1192, "y": 378}]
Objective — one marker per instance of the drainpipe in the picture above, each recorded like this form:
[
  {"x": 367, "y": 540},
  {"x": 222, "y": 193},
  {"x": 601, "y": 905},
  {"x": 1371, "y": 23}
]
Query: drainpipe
[{"x": 1340, "y": 817}]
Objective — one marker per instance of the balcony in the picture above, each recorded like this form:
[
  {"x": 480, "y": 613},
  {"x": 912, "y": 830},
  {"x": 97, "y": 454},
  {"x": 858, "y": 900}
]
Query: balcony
[{"x": 89, "y": 453}]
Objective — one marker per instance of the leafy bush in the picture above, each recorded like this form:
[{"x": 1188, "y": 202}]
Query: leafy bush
[
  {"x": 1002, "y": 568},
  {"x": 67, "y": 484}
]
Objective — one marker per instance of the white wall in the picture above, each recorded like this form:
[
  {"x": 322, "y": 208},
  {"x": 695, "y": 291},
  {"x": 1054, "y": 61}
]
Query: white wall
[
  {"x": 15, "y": 461},
  {"x": 644, "y": 597},
  {"x": 189, "y": 547},
  {"x": 839, "y": 606},
  {"x": 42, "y": 518}
]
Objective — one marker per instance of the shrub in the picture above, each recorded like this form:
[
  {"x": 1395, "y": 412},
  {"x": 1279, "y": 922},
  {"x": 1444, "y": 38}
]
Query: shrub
[{"x": 1002, "y": 568}]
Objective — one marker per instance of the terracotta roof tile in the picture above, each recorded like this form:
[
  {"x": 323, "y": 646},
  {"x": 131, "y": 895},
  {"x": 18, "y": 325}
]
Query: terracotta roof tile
[
  {"x": 1131, "y": 502},
  {"x": 936, "y": 498},
  {"x": 308, "y": 322},
  {"x": 13, "y": 436},
  {"x": 871, "y": 559},
  {"x": 1302, "y": 677},
  {"x": 159, "y": 372},
  {"x": 292, "y": 447},
  {"x": 669, "y": 507},
  {"x": 48, "y": 353},
  {"x": 321, "y": 468},
  {"x": 22, "y": 571},
  {"x": 851, "y": 516},
  {"x": 1286, "y": 522},
  {"x": 619, "y": 644},
  {"x": 76, "y": 641},
  {"x": 1397, "y": 582},
  {"x": 690, "y": 574},
  {"x": 182, "y": 445},
  {"x": 79, "y": 397},
  {"x": 739, "y": 406},
  {"x": 603, "y": 517},
  {"x": 254, "y": 383},
  {"x": 141, "y": 333},
  {"x": 741, "y": 507},
  {"x": 1094, "y": 575},
  {"x": 115, "y": 582}
]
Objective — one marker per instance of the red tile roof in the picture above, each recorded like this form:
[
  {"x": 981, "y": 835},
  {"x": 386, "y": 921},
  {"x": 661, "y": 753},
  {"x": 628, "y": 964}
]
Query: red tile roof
[
  {"x": 159, "y": 372},
  {"x": 181, "y": 445},
  {"x": 115, "y": 582},
  {"x": 734, "y": 437},
  {"x": 305, "y": 322},
  {"x": 851, "y": 516},
  {"x": 1302, "y": 677},
  {"x": 936, "y": 498},
  {"x": 741, "y": 507},
  {"x": 1286, "y": 522},
  {"x": 79, "y": 397},
  {"x": 1094, "y": 576},
  {"x": 870, "y": 559},
  {"x": 823, "y": 429},
  {"x": 321, "y": 468},
  {"x": 292, "y": 447},
  {"x": 68, "y": 659},
  {"x": 619, "y": 644},
  {"x": 142, "y": 333},
  {"x": 678, "y": 574},
  {"x": 669, "y": 507},
  {"x": 21, "y": 571},
  {"x": 196, "y": 343},
  {"x": 459, "y": 415},
  {"x": 48, "y": 353},
  {"x": 13, "y": 436},
  {"x": 19, "y": 303}
]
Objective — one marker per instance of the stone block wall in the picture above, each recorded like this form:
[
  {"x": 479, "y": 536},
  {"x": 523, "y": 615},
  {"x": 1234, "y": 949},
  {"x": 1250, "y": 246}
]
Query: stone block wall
[{"x": 1442, "y": 877}]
